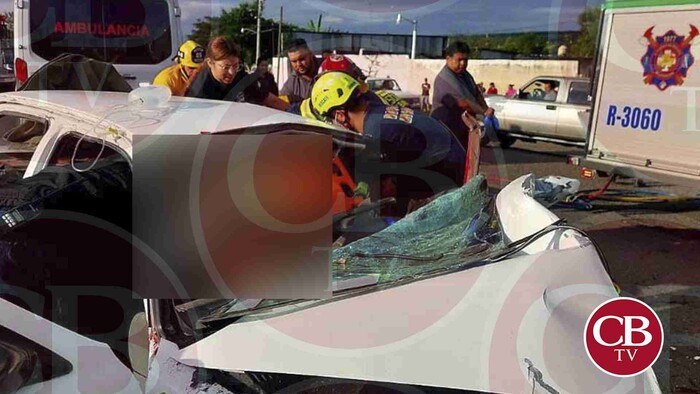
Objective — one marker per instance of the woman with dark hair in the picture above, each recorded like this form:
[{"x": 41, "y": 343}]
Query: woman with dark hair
[{"x": 222, "y": 78}]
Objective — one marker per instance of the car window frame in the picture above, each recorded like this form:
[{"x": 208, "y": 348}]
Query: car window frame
[
  {"x": 523, "y": 90},
  {"x": 542, "y": 81},
  {"x": 396, "y": 85},
  {"x": 86, "y": 138},
  {"x": 587, "y": 91},
  {"x": 39, "y": 115},
  {"x": 45, "y": 120},
  {"x": 376, "y": 85},
  {"x": 60, "y": 122}
]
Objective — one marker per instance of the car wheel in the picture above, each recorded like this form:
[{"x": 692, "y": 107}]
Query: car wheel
[{"x": 506, "y": 141}]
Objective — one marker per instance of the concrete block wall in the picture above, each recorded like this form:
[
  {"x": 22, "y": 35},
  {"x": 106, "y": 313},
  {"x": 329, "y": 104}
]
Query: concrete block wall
[{"x": 411, "y": 73}]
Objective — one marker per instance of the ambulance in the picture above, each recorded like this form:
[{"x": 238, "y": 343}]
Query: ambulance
[
  {"x": 139, "y": 37},
  {"x": 645, "y": 122}
]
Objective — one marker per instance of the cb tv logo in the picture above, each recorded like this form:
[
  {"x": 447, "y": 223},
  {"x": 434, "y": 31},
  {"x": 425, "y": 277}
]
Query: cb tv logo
[{"x": 623, "y": 337}]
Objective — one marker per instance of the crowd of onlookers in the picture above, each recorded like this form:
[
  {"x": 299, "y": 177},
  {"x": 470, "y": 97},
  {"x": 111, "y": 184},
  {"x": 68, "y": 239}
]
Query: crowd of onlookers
[
  {"x": 426, "y": 106},
  {"x": 510, "y": 92}
]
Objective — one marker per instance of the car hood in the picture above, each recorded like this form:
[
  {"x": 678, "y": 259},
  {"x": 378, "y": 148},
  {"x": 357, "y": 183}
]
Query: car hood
[
  {"x": 512, "y": 326},
  {"x": 496, "y": 102}
]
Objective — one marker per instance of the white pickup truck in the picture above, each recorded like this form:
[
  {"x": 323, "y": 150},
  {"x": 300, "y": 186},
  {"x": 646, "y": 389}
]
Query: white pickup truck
[
  {"x": 552, "y": 109},
  {"x": 390, "y": 85}
]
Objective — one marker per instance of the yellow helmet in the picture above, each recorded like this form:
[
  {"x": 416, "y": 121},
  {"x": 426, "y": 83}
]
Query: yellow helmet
[
  {"x": 333, "y": 90},
  {"x": 191, "y": 54},
  {"x": 307, "y": 112}
]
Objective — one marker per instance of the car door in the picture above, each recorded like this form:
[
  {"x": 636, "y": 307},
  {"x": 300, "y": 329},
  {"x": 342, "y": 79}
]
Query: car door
[
  {"x": 574, "y": 115},
  {"x": 529, "y": 113},
  {"x": 75, "y": 321}
]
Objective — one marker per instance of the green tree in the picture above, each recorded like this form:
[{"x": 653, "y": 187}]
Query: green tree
[
  {"x": 476, "y": 43},
  {"x": 585, "y": 44},
  {"x": 316, "y": 27},
  {"x": 527, "y": 44},
  {"x": 230, "y": 23},
  {"x": 524, "y": 44},
  {"x": 202, "y": 31}
]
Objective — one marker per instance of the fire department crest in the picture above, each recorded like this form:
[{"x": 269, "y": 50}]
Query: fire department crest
[{"x": 668, "y": 58}]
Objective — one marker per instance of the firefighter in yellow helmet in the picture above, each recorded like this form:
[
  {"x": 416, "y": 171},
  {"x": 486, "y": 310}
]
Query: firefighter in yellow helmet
[
  {"x": 190, "y": 56},
  {"x": 341, "y": 63},
  {"x": 408, "y": 155}
]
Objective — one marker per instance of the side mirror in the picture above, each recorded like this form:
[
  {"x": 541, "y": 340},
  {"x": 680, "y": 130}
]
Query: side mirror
[{"x": 519, "y": 94}]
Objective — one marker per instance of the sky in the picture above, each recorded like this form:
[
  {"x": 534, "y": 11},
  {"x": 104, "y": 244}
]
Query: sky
[{"x": 434, "y": 17}]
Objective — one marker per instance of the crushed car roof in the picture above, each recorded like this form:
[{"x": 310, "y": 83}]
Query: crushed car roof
[{"x": 181, "y": 115}]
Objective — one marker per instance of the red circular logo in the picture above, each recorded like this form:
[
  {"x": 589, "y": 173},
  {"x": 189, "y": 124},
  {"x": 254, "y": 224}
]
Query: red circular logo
[{"x": 623, "y": 337}]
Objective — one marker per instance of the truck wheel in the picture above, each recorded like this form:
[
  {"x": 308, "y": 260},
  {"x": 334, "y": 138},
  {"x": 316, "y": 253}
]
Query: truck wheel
[{"x": 506, "y": 141}]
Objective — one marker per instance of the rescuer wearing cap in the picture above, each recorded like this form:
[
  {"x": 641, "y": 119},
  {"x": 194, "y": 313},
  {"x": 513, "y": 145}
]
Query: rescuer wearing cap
[
  {"x": 413, "y": 155},
  {"x": 190, "y": 57}
]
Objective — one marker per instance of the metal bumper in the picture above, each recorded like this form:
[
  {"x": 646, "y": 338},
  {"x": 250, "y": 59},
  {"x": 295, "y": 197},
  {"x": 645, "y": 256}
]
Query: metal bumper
[{"x": 639, "y": 172}]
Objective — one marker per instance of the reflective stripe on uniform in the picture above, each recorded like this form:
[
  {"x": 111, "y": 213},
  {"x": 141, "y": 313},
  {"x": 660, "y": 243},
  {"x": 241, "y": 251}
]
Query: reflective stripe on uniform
[{"x": 390, "y": 98}]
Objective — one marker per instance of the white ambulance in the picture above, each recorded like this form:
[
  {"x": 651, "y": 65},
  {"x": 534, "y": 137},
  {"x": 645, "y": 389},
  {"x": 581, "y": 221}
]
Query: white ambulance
[
  {"x": 645, "y": 121},
  {"x": 140, "y": 37}
]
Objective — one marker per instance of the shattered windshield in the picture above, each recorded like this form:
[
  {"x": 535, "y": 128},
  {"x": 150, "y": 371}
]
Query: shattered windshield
[{"x": 452, "y": 232}]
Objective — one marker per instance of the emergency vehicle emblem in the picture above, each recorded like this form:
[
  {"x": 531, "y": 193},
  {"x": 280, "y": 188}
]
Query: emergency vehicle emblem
[{"x": 668, "y": 58}]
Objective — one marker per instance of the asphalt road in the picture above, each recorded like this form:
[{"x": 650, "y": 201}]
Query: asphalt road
[{"x": 653, "y": 249}]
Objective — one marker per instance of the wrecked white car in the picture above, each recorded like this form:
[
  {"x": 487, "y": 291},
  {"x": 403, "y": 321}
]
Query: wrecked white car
[
  {"x": 78, "y": 145},
  {"x": 469, "y": 293}
]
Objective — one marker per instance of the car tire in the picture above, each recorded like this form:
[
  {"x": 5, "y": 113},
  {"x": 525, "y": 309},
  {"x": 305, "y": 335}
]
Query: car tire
[{"x": 506, "y": 141}]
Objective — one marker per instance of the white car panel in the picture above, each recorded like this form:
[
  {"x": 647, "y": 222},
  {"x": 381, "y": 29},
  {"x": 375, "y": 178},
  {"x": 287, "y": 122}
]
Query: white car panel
[{"x": 95, "y": 368}]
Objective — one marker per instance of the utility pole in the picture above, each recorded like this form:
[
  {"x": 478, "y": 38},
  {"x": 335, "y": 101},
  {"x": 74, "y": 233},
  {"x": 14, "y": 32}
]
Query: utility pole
[
  {"x": 257, "y": 34},
  {"x": 279, "y": 45},
  {"x": 414, "y": 22},
  {"x": 413, "y": 41}
]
